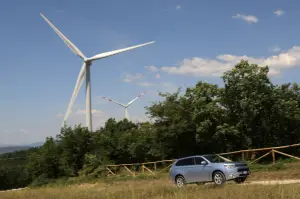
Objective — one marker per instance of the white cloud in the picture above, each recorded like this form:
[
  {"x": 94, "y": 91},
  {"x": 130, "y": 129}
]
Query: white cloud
[
  {"x": 151, "y": 68},
  {"x": 275, "y": 49},
  {"x": 247, "y": 18},
  {"x": 178, "y": 7},
  {"x": 168, "y": 87},
  {"x": 95, "y": 112},
  {"x": 140, "y": 118},
  {"x": 132, "y": 78},
  {"x": 145, "y": 84},
  {"x": 278, "y": 12},
  {"x": 288, "y": 59},
  {"x": 198, "y": 66},
  {"x": 167, "y": 84},
  {"x": 23, "y": 131},
  {"x": 148, "y": 84},
  {"x": 60, "y": 115},
  {"x": 273, "y": 72},
  {"x": 99, "y": 118}
]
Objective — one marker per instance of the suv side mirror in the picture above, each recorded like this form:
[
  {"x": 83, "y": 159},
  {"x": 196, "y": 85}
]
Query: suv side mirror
[{"x": 203, "y": 162}]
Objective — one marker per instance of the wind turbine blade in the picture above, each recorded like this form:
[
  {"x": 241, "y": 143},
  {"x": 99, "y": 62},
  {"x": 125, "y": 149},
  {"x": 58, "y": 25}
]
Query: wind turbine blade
[
  {"x": 136, "y": 98},
  {"x": 78, "y": 84},
  {"x": 114, "y": 101},
  {"x": 114, "y": 52},
  {"x": 65, "y": 39}
]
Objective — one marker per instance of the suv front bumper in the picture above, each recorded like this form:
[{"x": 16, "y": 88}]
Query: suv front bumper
[{"x": 237, "y": 173}]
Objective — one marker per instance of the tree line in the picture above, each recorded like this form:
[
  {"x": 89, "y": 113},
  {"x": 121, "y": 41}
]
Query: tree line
[{"x": 249, "y": 111}]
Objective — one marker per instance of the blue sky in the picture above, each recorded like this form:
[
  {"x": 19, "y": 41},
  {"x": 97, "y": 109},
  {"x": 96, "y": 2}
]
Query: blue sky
[{"x": 195, "y": 40}]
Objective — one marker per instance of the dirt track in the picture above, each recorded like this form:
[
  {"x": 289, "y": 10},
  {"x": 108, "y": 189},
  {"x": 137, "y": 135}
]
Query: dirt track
[
  {"x": 263, "y": 182},
  {"x": 272, "y": 182}
]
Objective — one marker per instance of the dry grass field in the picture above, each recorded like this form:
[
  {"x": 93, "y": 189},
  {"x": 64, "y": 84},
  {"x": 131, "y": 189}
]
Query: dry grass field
[
  {"x": 154, "y": 189},
  {"x": 163, "y": 188}
]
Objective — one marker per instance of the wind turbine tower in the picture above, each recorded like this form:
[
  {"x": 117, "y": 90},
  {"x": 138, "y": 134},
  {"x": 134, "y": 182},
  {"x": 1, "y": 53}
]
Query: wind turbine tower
[
  {"x": 85, "y": 72},
  {"x": 125, "y": 105}
]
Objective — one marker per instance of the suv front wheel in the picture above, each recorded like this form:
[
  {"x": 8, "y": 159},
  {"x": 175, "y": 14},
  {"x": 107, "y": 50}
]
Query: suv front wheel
[
  {"x": 240, "y": 180},
  {"x": 219, "y": 178}
]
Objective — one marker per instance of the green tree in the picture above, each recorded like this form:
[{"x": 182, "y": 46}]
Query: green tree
[
  {"x": 45, "y": 161},
  {"x": 74, "y": 144},
  {"x": 286, "y": 114},
  {"x": 175, "y": 131},
  {"x": 214, "y": 133},
  {"x": 248, "y": 99},
  {"x": 115, "y": 138}
]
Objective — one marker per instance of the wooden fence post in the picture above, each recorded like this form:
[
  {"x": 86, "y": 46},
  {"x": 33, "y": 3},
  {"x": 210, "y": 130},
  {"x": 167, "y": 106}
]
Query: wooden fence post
[
  {"x": 273, "y": 156},
  {"x": 143, "y": 169}
]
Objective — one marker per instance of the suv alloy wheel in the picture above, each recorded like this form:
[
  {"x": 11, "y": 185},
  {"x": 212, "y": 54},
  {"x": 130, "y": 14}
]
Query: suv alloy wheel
[
  {"x": 180, "y": 181},
  {"x": 218, "y": 178}
]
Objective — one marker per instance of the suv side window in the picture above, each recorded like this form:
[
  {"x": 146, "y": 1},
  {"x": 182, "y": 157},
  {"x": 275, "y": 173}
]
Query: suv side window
[
  {"x": 185, "y": 162},
  {"x": 198, "y": 160}
]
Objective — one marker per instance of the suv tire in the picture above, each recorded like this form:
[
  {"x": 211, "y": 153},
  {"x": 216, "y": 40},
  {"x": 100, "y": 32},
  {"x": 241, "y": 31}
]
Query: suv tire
[
  {"x": 180, "y": 181},
  {"x": 240, "y": 180},
  {"x": 218, "y": 178}
]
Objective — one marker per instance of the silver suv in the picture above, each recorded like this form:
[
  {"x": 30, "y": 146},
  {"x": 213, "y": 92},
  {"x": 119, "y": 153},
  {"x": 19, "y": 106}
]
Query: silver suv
[{"x": 207, "y": 168}]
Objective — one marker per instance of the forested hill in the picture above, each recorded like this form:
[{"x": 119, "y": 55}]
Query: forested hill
[{"x": 248, "y": 112}]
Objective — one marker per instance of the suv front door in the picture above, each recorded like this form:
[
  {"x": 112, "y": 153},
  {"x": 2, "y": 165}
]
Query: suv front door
[{"x": 201, "y": 172}]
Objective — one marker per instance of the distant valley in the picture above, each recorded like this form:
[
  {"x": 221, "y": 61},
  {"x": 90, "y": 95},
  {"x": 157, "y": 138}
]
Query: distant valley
[{"x": 10, "y": 148}]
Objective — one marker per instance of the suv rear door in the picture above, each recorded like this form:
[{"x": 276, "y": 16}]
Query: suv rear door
[{"x": 185, "y": 167}]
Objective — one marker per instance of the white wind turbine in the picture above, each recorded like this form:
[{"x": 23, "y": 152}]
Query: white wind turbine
[
  {"x": 125, "y": 105},
  {"x": 85, "y": 72}
]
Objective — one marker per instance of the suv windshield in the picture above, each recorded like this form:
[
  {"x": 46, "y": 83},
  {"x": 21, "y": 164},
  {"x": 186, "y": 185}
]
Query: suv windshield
[{"x": 214, "y": 158}]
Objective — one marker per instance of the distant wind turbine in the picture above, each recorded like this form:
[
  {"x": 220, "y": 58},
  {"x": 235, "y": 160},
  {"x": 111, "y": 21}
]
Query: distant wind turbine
[
  {"x": 85, "y": 72},
  {"x": 125, "y": 105}
]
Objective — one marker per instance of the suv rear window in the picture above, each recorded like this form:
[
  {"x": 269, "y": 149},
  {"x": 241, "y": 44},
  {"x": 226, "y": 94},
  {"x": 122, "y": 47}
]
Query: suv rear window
[{"x": 185, "y": 162}]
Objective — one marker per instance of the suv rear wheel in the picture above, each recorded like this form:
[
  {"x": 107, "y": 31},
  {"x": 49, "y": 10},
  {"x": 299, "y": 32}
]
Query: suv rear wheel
[
  {"x": 219, "y": 178},
  {"x": 180, "y": 181}
]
